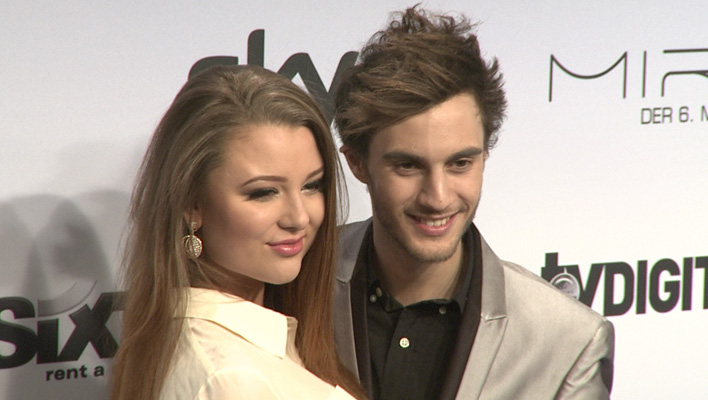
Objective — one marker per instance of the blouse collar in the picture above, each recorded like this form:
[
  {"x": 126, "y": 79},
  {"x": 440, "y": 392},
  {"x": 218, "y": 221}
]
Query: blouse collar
[{"x": 263, "y": 327}]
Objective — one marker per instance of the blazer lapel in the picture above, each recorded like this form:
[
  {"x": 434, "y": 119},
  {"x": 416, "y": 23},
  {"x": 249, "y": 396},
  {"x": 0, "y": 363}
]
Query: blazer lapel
[
  {"x": 492, "y": 326},
  {"x": 350, "y": 238}
]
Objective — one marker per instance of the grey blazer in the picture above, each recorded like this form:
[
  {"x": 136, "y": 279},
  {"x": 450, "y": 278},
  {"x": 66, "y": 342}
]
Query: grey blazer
[{"x": 532, "y": 342}]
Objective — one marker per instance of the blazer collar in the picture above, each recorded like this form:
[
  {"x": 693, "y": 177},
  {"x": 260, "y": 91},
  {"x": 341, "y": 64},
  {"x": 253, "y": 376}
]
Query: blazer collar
[
  {"x": 493, "y": 287},
  {"x": 492, "y": 325},
  {"x": 350, "y": 239}
]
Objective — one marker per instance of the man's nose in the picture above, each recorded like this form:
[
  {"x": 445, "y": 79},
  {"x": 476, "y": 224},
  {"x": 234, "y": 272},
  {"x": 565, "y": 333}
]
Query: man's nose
[{"x": 435, "y": 193}]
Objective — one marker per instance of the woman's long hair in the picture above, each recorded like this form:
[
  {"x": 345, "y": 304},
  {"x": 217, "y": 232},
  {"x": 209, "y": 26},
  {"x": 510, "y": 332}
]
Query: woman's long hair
[{"x": 188, "y": 144}]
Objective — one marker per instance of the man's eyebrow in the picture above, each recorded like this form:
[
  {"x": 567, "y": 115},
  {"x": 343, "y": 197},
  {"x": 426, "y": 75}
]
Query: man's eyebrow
[
  {"x": 468, "y": 152},
  {"x": 398, "y": 155}
]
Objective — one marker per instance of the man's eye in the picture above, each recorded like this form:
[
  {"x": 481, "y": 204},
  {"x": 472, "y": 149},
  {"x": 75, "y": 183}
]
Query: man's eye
[
  {"x": 314, "y": 186},
  {"x": 461, "y": 164},
  {"x": 405, "y": 166},
  {"x": 262, "y": 194}
]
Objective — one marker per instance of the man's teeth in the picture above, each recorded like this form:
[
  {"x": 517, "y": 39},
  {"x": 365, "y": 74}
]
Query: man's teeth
[{"x": 435, "y": 222}]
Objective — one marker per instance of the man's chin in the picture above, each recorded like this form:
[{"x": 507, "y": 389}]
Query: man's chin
[{"x": 429, "y": 255}]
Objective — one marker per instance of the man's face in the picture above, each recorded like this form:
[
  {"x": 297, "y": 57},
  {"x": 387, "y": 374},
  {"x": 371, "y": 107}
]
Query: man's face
[{"x": 425, "y": 178}]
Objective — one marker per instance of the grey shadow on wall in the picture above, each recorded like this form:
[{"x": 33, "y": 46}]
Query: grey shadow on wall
[{"x": 55, "y": 262}]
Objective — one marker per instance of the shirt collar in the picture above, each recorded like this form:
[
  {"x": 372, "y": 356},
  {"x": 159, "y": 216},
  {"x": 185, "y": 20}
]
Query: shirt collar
[
  {"x": 264, "y": 328},
  {"x": 373, "y": 281}
]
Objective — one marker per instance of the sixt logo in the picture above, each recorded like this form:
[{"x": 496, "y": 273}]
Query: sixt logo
[
  {"x": 89, "y": 327},
  {"x": 681, "y": 113},
  {"x": 665, "y": 284},
  {"x": 297, "y": 64}
]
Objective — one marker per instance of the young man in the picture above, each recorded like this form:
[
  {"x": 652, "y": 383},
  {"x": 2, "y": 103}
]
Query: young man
[{"x": 424, "y": 308}]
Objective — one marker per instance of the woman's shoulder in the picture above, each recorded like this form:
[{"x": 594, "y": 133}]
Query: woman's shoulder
[
  {"x": 234, "y": 349},
  {"x": 213, "y": 363}
]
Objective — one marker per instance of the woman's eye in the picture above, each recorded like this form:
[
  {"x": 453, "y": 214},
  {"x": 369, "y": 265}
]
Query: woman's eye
[
  {"x": 314, "y": 186},
  {"x": 262, "y": 194}
]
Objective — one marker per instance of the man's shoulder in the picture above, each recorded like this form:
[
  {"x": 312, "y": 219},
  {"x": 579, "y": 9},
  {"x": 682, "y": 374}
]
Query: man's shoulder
[
  {"x": 532, "y": 298},
  {"x": 538, "y": 324}
]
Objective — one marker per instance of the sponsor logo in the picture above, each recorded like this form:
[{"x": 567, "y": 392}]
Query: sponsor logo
[
  {"x": 42, "y": 340},
  {"x": 297, "y": 64},
  {"x": 661, "y": 83},
  {"x": 660, "y": 286}
]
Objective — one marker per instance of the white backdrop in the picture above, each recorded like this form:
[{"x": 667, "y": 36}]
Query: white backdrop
[{"x": 608, "y": 175}]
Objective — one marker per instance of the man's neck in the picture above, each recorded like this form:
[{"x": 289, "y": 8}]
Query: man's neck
[{"x": 409, "y": 281}]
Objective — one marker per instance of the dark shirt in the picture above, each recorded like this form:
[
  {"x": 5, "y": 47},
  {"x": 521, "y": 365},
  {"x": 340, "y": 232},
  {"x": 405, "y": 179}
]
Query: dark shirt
[{"x": 410, "y": 347}]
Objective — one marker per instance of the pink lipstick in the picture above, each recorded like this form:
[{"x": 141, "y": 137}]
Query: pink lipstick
[{"x": 288, "y": 248}]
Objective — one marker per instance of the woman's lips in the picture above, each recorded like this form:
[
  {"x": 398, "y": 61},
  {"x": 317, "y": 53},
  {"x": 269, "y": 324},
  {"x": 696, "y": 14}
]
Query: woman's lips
[{"x": 288, "y": 248}]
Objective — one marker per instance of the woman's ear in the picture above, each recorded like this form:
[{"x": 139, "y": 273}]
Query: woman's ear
[
  {"x": 193, "y": 216},
  {"x": 356, "y": 164}
]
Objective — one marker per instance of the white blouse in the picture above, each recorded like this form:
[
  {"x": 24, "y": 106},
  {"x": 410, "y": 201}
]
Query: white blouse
[{"x": 231, "y": 348}]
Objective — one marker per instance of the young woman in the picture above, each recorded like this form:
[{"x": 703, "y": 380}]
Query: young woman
[{"x": 232, "y": 243}]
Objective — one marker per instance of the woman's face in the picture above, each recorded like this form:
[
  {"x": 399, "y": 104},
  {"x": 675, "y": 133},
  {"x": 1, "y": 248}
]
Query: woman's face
[{"x": 264, "y": 204}]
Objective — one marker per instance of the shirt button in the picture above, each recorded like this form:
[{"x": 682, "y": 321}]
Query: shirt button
[
  {"x": 404, "y": 343},
  {"x": 372, "y": 298},
  {"x": 379, "y": 292},
  {"x": 442, "y": 310}
]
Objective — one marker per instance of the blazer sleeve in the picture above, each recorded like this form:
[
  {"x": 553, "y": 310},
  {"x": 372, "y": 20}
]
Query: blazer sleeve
[{"x": 591, "y": 375}]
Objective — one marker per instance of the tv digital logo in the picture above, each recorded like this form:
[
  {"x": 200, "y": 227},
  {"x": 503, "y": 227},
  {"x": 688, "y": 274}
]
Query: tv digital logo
[
  {"x": 297, "y": 64},
  {"x": 665, "y": 114},
  {"x": 664, "y": 284},
  {"x": 89, "y": 328}
]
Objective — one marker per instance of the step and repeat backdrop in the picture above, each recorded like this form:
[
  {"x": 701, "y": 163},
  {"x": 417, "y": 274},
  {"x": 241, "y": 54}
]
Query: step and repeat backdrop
[{"x": 599, "y": 182}]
